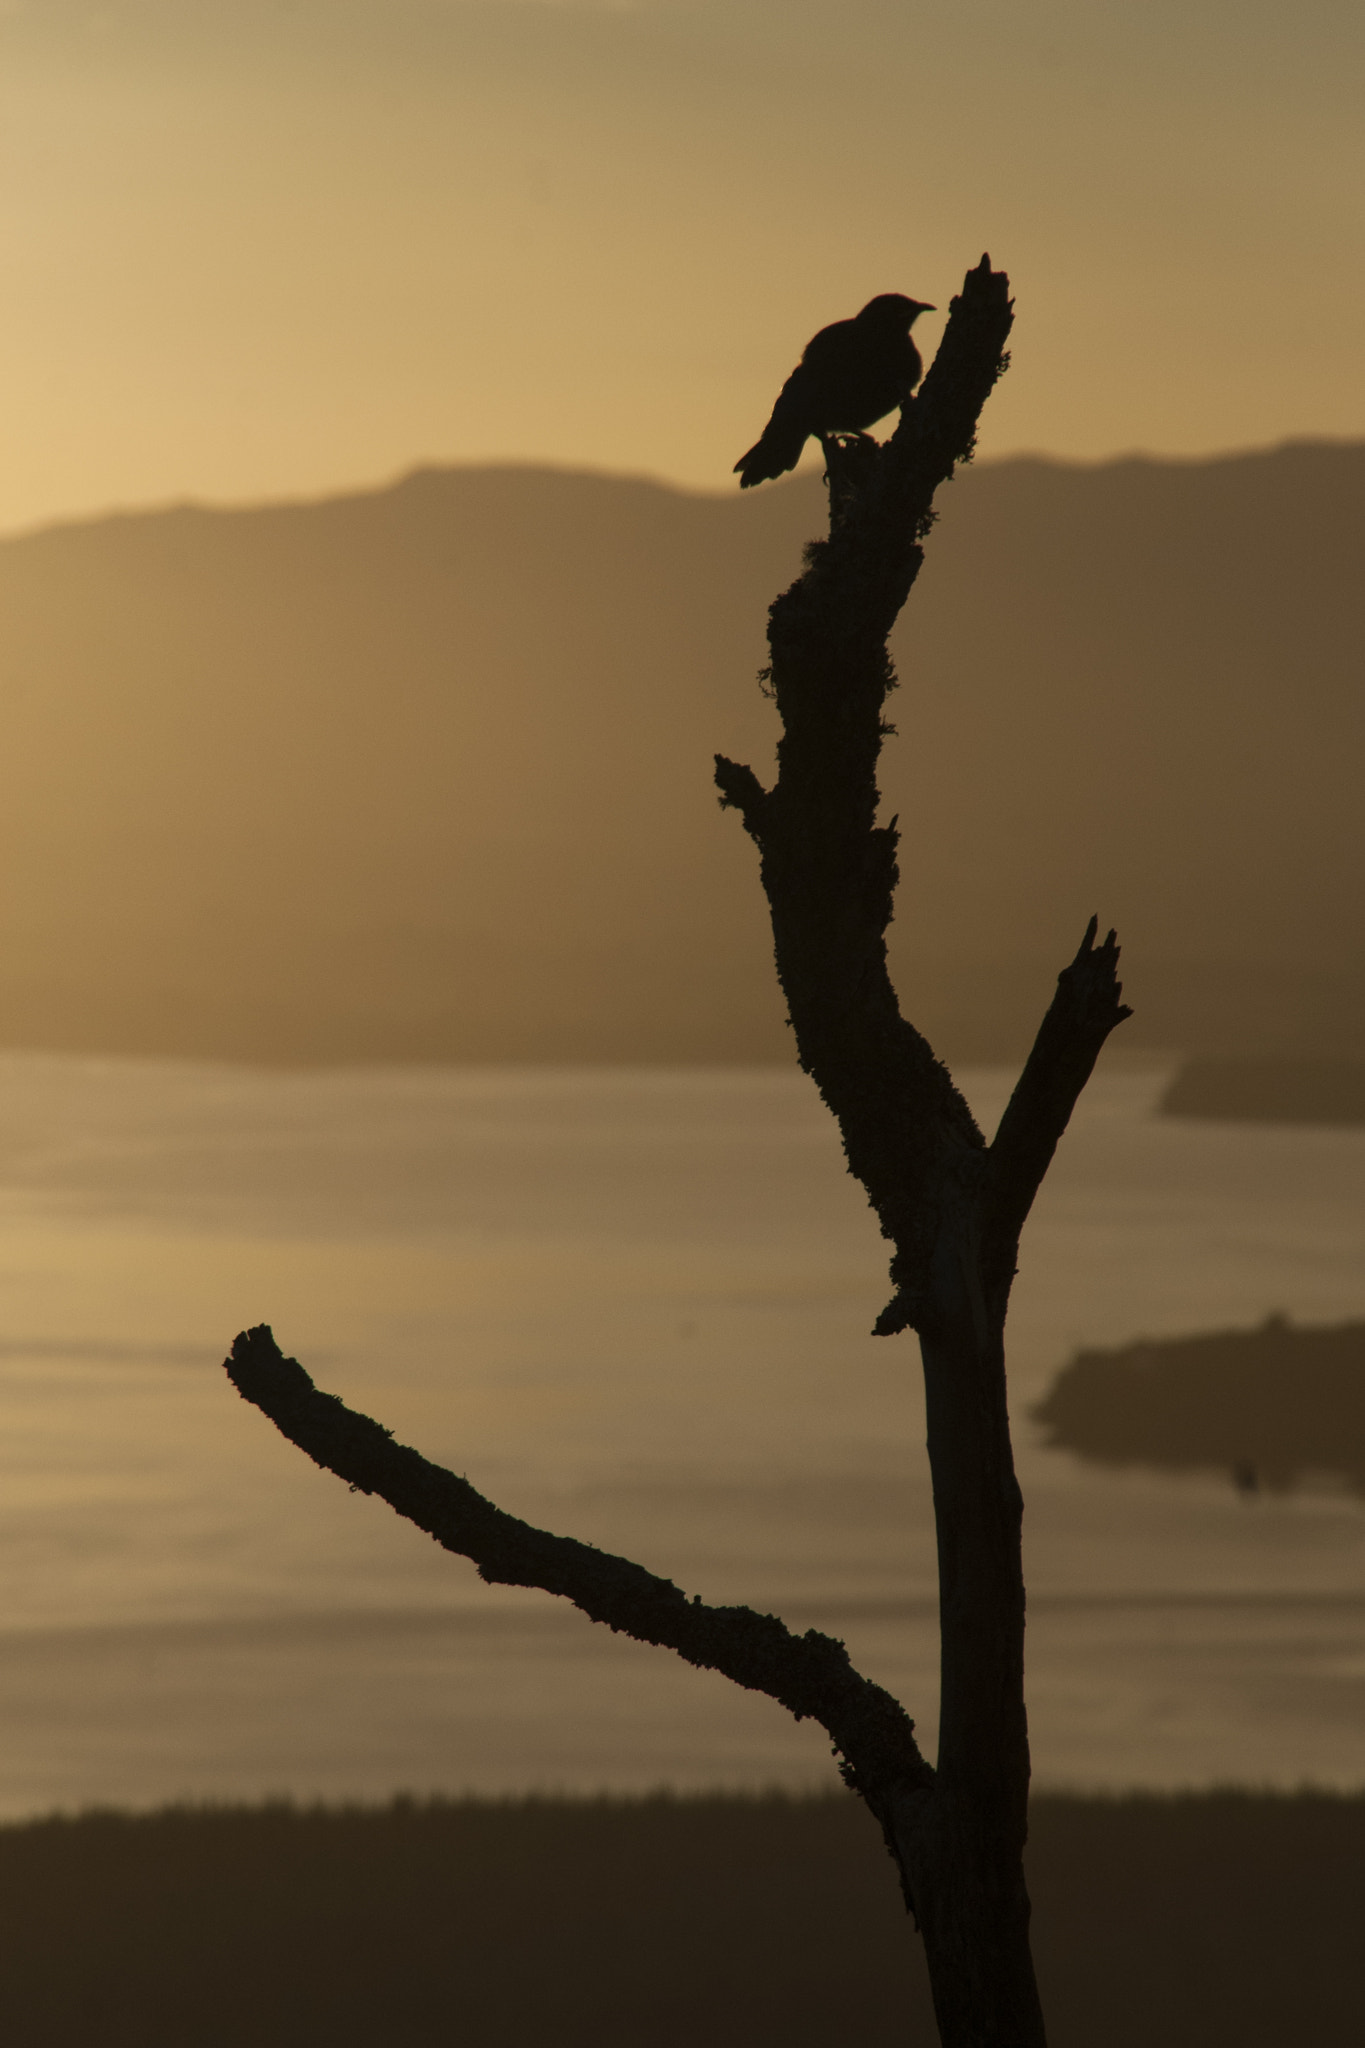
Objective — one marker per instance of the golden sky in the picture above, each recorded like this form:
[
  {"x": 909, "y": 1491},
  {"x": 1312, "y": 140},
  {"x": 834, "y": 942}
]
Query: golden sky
[{"x": 256, "y": 248}]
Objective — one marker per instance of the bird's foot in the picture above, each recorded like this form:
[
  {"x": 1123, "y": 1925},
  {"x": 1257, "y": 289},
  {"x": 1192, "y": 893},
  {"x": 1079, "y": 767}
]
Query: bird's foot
[{"x": 849, "y": 460}]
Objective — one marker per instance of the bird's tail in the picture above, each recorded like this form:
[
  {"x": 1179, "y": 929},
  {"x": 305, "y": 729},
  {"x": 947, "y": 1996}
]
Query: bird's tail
[{"x": 777, "y": 449}]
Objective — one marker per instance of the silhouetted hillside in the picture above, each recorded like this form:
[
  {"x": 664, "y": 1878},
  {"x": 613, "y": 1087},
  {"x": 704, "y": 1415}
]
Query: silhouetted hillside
[
  {"x": 1268, "y": 1405},
  {"x": 1214, "y": 1921},
  {"x": 426, "y": 772}
]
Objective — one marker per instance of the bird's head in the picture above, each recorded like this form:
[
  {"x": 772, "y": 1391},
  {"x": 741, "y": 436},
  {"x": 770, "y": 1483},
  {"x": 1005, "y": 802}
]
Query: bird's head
[{"x": 893, "y": 309}]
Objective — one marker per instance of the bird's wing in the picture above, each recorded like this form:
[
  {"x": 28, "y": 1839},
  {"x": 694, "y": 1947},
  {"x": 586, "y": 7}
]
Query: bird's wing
[{"x": 829, "y": 351}]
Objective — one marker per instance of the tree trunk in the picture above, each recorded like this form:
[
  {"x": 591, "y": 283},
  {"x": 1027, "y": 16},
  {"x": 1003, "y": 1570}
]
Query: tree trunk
[
  {"x": 967, "y": 1874},
  {"x": 951, "y": 1205}
]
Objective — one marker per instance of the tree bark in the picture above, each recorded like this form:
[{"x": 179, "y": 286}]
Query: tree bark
[{"x": 951, "y": 1205}]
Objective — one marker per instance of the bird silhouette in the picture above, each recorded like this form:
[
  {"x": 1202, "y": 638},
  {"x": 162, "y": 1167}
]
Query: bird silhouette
[{"x": 851, "y": 375}]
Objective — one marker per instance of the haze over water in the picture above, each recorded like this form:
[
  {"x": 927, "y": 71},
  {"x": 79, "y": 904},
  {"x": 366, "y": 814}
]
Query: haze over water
[{"x": 632, "y": 1305}]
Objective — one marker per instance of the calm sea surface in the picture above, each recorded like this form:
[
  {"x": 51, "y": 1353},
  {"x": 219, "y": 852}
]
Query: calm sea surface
[{"x": 632, "y": 1305}]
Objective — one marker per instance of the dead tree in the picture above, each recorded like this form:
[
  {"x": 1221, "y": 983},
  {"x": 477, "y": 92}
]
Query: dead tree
[{"x": 951, "y": 1205}]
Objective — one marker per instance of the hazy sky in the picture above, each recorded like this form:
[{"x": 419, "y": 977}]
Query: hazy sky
[{"x": 260, "y": 247}]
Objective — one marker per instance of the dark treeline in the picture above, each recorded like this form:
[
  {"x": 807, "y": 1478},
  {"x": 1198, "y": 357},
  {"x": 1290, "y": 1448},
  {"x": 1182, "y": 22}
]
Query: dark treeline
[{"x": 1211, "y": 1919}]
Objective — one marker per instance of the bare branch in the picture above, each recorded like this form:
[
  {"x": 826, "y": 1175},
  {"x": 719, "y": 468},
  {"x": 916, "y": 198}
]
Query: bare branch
[
  {"x": 971, "y": 359},
  {"x": 809, "y": 1675},
  {"x": 741, "y": 790},
  {"x": 1085, "y": 1009}
]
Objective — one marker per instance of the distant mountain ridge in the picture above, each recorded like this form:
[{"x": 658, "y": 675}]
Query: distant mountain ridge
[{"x": 425, "y": 772}]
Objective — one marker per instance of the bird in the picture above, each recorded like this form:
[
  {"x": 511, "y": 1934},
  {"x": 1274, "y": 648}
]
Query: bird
[{"x": 851, "y": 375}]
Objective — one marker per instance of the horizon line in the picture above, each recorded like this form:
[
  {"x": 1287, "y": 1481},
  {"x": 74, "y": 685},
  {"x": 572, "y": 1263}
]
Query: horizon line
[{"x": 305, "y": 499}]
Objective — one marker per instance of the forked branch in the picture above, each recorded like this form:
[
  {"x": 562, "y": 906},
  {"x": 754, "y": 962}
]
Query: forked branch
[{"x": 1085, "y": 1009}]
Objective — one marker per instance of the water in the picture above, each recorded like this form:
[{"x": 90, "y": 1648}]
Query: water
[{"x": 632, "y": 1306}]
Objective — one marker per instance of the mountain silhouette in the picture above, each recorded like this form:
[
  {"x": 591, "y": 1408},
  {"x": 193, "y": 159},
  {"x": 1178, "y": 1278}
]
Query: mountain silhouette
[{"x": 425, "y": 771}]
